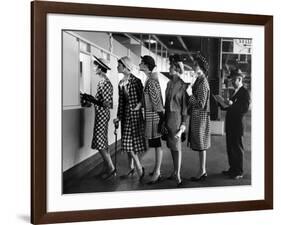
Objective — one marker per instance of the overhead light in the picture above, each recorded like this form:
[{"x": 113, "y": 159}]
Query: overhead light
[
  {"x": 151, "y": 41},
  {"x": 171, "y": 42}
]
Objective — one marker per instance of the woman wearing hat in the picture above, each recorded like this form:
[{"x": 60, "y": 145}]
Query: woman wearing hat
[
  {"x": 154, "y": 111},
  {"x": 199, "y": 97},
  {"x": 103, "y": 102},
  {"x": 176, "y": 115},
  {"x": 130, "y": 114}
]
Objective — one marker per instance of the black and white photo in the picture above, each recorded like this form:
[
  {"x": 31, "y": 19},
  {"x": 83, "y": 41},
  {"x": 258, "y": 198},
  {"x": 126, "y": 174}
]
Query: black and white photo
[{"x": 155, "y": 111}]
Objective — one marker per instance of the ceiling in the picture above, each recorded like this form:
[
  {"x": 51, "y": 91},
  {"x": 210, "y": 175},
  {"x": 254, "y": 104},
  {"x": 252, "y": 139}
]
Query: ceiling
[{"x": 173, "y": 44}]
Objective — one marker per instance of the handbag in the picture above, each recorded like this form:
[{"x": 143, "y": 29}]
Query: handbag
[
  {"x": 163, "y": 131},
  {"x": 183, "y": 136}
]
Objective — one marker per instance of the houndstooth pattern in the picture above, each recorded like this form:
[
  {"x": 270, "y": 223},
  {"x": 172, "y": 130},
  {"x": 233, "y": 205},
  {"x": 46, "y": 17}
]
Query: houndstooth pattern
[
  {"x": 132, "y": 123},
  {"x": 199, "y": 135},
  {"x": 102, "y": 115}
]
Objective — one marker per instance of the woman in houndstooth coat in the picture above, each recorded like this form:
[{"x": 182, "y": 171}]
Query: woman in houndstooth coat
[
  {"x": 130, "y": 114},
  {"x": 199, "y": 100}
]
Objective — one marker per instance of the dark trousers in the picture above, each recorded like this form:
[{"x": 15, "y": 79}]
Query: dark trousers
[{"x": 235, "y": 149}]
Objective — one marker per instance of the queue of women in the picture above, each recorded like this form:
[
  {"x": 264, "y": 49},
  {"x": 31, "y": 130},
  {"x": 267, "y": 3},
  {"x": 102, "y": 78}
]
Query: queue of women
[{"x": 185, "y": 115}]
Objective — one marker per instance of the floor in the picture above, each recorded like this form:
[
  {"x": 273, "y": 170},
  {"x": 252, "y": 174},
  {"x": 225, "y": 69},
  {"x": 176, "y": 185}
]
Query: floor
[{"x": 216, "y": 162}]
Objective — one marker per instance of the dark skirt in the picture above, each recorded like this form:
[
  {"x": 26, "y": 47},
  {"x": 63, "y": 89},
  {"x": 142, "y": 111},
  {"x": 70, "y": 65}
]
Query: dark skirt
[
  {"x": 173, "y": 122},
  {"x": 154, "y": 142}
]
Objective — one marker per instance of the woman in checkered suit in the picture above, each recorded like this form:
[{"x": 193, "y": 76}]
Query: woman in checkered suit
[
  {"x": 199, "y": 100},
  {"x": 103, "y": 102},
  {"x": 130, "y": 114},
  {"x": 154, "y": 112}
]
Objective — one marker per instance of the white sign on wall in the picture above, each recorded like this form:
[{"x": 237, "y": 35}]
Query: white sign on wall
[{"x": 242, "y": 46}]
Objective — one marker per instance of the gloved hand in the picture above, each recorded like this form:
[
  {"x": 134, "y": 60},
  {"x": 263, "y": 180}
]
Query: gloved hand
[
  {"x": 116, "y": 123},
  {"x": 189, "y": 90},
  {"x": 84, "y": 102},
  {"x": 92, "y": 99},
  {"x": 180, "y": 132}
]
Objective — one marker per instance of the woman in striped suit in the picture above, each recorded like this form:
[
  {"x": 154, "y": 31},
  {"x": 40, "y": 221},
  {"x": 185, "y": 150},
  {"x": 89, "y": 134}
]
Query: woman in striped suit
[
  {"x": 154, "y": 112},
  {"x": 199, "y": 100}
]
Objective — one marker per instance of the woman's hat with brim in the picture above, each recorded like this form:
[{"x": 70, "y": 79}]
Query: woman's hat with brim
[
  {"x": 102, "y": 62},
  {"x": 236, "y": 73},
  {"x": 127, "y": 62}
]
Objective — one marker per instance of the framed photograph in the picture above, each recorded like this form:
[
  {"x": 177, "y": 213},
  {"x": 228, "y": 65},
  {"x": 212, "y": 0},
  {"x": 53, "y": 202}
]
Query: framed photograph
[{"x": 145, "y": 112}]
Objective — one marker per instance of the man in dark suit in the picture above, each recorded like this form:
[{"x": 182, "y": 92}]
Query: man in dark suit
[{"x": 238, "y": 106}]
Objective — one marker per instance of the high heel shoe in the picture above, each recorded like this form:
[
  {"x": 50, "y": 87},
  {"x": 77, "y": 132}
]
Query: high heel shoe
[
  {"x": 201, "y": 178},
  {"x": 142, "y": 175},
  {"x": 110, "y": 175},
  {"x": 179, "y": 183},
  {"x": 157, "y": 180},
  {"x": 130, "y": 173}
]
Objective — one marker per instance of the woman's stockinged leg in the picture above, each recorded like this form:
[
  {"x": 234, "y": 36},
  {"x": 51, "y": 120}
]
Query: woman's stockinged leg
[
  {"x": 111, "y": 170},
  {"x": 177, "y": 165},
  {"x": 131, "y": 162},
  {"x": 107, "y": 160},
  {"x": 158, "y": 160},
  {"x": 174, "y": 163},
  {"x": 202, "y": 161},
  {"x": 157, "y": 165},
  {"x": 137, "y": 163}
]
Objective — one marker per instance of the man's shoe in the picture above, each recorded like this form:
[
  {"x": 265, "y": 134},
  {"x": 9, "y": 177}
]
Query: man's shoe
[
  {"x": 227, "y": 173},
  {"x": 237, "y": 176}
]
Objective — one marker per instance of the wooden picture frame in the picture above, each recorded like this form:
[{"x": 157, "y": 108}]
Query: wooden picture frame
[{"x": 39, "y": 11}]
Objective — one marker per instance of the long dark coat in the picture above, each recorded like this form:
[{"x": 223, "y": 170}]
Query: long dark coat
[
  {"x": 235, "y": 129},
  {"x": 235, "y": 113},
  {"x": 199, "y": 135},
  {"x": 132, "y": 122}
]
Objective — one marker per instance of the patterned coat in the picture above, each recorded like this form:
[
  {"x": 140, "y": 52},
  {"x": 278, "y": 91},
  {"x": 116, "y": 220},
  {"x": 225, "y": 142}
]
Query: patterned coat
[
  {"x": 132, "y": 122},
  {"x": 102, "y": 115},
  {"x": 153, "y": 104},
  {"x": 199, "y": 135}
]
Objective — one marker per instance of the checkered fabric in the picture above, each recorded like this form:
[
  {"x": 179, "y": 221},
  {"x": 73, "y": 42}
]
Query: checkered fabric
[
  {"x": 199, "y": 135},
  {"x": 153, "y": 104},
  {"x": 132, "y": 122},
  {"x": 102, "y": 115}
]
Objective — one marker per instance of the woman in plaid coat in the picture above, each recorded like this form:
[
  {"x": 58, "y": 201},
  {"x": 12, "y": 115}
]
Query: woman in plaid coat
[
  {"x": 199, "y": 100},
  {"x": 103, "y": 102},
  {"x": 130, "y": 114}
]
